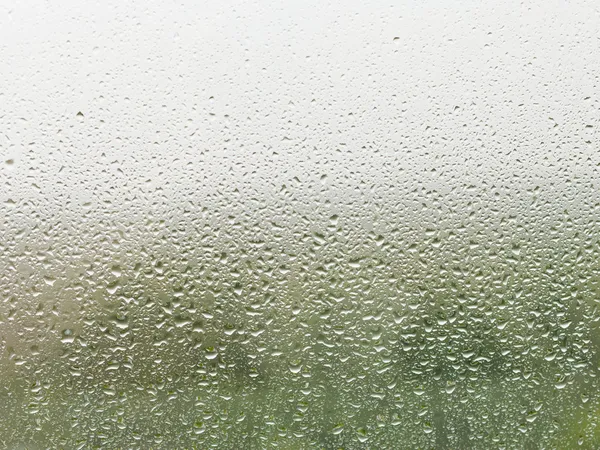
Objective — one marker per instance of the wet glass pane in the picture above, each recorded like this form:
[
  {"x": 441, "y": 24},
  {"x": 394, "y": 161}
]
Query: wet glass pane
[{"x": 299, "y": 224}]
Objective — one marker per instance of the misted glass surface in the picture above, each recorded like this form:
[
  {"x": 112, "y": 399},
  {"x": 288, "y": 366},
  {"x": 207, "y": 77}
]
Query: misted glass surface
[{"x": 299, "y": 225}]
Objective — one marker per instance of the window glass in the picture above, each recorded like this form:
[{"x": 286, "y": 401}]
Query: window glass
[{"x": 299, "y": 224}]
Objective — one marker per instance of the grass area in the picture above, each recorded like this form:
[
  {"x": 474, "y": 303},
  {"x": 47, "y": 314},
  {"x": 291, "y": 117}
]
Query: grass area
[{"x": 378, "y": 347}]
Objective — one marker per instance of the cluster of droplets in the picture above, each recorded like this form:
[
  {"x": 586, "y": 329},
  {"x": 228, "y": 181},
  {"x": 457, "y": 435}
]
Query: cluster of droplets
[{"x": 363, "y": 228}]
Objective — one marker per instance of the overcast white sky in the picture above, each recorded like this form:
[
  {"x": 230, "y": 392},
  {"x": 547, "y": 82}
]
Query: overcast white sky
[{"x": 183, "y": 99}]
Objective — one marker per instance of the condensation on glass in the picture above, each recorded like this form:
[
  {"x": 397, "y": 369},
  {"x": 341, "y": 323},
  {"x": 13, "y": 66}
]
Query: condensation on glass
[{"x": 299, "y": 224}]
